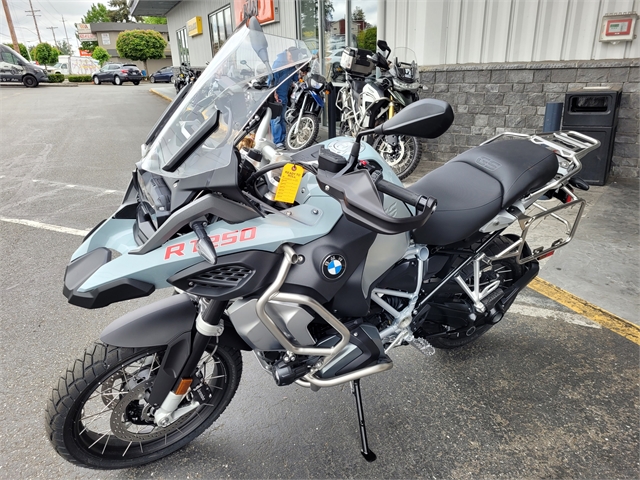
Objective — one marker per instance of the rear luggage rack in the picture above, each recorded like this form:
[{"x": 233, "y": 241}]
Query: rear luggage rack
[{"x": 570, "y": 147}]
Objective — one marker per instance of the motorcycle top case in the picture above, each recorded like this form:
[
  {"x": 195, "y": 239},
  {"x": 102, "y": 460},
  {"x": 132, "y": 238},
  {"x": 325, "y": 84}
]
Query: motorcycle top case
[{"x": 355, "y": 61}]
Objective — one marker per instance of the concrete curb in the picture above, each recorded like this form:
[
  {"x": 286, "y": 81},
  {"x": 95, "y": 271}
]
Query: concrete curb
[{"x": 162, "y": 95}]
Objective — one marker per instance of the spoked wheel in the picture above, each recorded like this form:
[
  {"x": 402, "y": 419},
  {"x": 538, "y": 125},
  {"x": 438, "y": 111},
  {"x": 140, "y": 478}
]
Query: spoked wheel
[
  {"x": 401, "y": 152},
  {"x": 98, "y": 416},
  {"x": 305, "y": 135},
  {"x": 506, "y": 270}
]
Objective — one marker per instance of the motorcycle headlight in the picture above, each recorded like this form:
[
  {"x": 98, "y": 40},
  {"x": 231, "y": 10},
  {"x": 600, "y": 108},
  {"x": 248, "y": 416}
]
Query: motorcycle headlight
[
  {"x": 400, "y": 85},
  {"x": 315, "y": 85}
]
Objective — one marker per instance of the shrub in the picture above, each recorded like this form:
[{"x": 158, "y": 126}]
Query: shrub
[
  {"x": 79, "y": 78},
  {"x": 56, "y": 77},
  {"x": 45, "y": 54},
  {"x": 101, "y": 55}
]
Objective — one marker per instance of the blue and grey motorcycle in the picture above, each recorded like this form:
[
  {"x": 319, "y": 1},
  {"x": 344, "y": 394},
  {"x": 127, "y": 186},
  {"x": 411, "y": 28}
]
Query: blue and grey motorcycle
[
  {"x": 306, "y": 102},
  {"x": 320, "y": 262}
]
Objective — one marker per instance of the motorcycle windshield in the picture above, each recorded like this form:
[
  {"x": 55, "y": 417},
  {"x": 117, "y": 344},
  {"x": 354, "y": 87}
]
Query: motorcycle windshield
[
  {"x": 406, "y": 64},
  {"x": 233, "y": 87}
]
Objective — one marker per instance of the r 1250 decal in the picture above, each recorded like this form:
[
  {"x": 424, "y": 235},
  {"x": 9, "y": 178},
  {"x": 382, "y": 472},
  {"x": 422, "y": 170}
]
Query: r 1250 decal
[{"x": 227, "y": 238}]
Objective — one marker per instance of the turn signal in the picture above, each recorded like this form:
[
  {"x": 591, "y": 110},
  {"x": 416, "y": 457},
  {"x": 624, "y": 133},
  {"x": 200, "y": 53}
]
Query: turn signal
[{"x": 183, "y": 386}]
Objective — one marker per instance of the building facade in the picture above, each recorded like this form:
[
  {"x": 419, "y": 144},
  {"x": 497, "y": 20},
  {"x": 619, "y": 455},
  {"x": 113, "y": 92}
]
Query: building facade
[{"x": 497, "y": 62}]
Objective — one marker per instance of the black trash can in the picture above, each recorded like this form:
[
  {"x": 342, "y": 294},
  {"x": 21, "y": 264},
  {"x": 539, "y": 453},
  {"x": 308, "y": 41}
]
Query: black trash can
[{"x": 594, "y": 112}]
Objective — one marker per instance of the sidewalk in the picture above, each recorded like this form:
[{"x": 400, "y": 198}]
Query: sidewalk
[{"x": 601, "y": 265}]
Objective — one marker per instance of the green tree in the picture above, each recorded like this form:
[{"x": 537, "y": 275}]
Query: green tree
[
  {"x": 367, "y": 39},
  {"x": 155, "y": 20},
  {"x": 358, "y": 15},
  {"x": 45, "y": 54},
  {"x": 23, "y": 50},
  {"x": 101, "y": 55},
  {"x": 141, "y": 45},
  {"x": 98, "y": 13},
  {"x": 65, "y": 48},
  {"x": 120, "y": 12}
]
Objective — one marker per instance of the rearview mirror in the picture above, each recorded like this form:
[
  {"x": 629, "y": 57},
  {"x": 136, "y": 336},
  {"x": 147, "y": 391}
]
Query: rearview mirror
[
  {"x": 384, "y": 46},
  {"x": 428, "y": 118},
  {"x": 258, "y": 40}
]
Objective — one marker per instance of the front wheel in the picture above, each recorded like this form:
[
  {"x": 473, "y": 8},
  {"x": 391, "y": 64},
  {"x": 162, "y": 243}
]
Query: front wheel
[
  {"x": 98, "y": 417},
  {"x": 96, "y": 80},
  {"x": 136, "y": 82},
  {"x": 30, "y": 81},
  {"x": 401, "y": 152},
  {"x": 178, "y": 86},
  {"x": 152, "y": 79},
  {"x": 306, "y": 134}
]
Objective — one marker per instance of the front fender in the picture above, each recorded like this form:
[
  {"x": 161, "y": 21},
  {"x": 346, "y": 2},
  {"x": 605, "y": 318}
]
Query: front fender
[
  {"x": 152, "y": 325},
  {"x": 162, "y": 323}
]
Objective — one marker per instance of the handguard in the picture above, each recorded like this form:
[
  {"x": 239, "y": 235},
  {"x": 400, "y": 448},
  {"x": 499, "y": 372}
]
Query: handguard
[{"x": 360, "y": 201}]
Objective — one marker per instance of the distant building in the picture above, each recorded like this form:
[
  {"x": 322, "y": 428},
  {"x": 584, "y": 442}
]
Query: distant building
[{"x": 108, "y": 32}]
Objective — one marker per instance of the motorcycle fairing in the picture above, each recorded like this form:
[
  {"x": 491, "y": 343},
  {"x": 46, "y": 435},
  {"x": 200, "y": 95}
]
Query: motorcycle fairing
[{"x": 318, "y": 98}]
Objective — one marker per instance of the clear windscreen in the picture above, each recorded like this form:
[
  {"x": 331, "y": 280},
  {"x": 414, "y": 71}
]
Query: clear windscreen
[
  {"x": 405, "y": 64},
  {"x": 234, "y": 86}
]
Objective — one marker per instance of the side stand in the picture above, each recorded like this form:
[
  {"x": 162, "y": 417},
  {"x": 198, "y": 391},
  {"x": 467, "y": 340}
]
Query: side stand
[{"x": 368, "y": 455}]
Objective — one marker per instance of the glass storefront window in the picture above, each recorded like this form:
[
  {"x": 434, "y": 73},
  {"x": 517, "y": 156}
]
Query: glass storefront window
[{"x": 220, "y": 28}]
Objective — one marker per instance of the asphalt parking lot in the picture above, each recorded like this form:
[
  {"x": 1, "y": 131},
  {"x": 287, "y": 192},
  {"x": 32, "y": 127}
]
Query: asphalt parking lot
[{"x": 546, "y": 393}]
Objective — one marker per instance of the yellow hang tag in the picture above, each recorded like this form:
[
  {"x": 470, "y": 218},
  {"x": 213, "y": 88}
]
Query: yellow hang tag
[{"x": 289, "y": 183}]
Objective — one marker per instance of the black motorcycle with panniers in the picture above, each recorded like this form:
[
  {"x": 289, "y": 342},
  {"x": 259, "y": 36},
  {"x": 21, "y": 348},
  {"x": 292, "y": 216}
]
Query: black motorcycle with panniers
[{"x": 320, "y": 262}]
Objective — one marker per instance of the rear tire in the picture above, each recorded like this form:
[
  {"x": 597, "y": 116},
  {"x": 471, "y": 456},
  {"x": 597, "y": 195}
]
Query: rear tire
[
  {"x": 306, "y": 134},
  {"x": 136, "y": 82},
  {"x": 117, "y": 80},
  {"x": 108, "y": 384},
  {"x": 30, "y": 81},
  {"x": 404, "y": 157}
]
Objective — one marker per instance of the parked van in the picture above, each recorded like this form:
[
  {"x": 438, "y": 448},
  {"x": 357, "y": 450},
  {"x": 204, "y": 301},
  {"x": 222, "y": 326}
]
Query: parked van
[{"x": 15, "y": 68}]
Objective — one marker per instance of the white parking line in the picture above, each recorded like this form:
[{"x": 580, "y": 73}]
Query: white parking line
[
  {"x": 101, "y": 191},
  {"x": 45, "y": 226},
  {"x": 572, "y": 318}
]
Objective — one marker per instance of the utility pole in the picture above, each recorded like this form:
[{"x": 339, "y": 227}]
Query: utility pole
[
  {"x": 55, "y": 42},
  {"x": 12, "y": 31},
  {"x": 33, "y": 14},
  {"x": 65, "y": 32}
]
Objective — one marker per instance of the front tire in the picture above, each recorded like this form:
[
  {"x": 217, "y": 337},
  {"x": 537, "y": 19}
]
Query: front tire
[
  {"x": 96, "y": 80},
  {"x": 403, "y": 157},
  {"x": 306, "y": 134},
  {"x": 30, "y": 81},
  {"x": 152, "y": 79},
  {"x": 117, "y": 80},
  {"x": 97, "y": 416},
  {"x": 136, "y": 82}
]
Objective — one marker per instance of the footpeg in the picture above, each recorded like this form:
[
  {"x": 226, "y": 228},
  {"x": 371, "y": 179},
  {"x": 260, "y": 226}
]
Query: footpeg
[{"x": 423, "y": 345}]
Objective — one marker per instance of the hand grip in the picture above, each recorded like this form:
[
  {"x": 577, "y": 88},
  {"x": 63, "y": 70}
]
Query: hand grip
[{"x": 404, "y": 195}]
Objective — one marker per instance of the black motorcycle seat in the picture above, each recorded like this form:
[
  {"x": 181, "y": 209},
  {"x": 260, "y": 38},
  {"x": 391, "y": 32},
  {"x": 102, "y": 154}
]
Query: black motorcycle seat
[{"x": 474, "y": 186}]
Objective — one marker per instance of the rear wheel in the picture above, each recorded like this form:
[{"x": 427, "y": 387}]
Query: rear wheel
[
  {"x": 117, "y": 80},
  {"x": 306, "y": 134},
  {"x": 401, "y": 152},
  {"x": 136, "y": 82},
  {"x": 98, "y": 417},
  {"x": 506, "y": 270},
  {"x": 30, "y": 81}
]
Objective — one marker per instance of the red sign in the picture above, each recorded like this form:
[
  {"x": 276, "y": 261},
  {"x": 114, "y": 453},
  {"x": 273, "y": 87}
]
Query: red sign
[
  {"x": 85, "y": 53},
  {"x": 264, "y": 10}
]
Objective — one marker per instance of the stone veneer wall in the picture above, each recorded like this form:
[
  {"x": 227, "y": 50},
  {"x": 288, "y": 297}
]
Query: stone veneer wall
[{"x": 492, "y": 98}]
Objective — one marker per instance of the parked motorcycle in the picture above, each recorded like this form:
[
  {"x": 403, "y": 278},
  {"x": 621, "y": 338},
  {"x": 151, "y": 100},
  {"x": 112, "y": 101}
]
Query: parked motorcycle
[
  {"x": 319, "y": 262},
  {"x": 368, "y": 101},
  {"x": 306, "y": 102},
  {"x": 186, "y": 76}
]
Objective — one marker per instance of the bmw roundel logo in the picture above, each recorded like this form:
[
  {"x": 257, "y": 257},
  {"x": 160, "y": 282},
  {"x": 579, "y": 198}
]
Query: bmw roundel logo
[{"x": 333, "y": 266}]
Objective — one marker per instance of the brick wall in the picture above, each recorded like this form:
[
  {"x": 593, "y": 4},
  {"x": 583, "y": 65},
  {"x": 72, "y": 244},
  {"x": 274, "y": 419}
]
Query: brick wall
[{"x": 492, "y": 98}]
